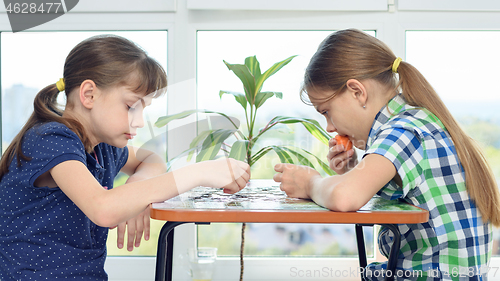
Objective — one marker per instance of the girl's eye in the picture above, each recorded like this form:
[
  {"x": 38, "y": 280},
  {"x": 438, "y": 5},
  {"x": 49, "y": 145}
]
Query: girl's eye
[
  {"x": 130, "y": 108},
  {"x": 324, "y": 113}
]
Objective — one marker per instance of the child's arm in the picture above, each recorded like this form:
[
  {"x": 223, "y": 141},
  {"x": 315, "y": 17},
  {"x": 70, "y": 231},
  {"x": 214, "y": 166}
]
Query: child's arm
[
  {"x": 108, "y": 208},
  {"x": 347, "y": 192},
  {"x": 141, "y": 164}
]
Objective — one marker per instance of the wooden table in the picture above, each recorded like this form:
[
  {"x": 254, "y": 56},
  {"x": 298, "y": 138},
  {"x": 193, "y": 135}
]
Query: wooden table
[{"x": 263, "y": 202}]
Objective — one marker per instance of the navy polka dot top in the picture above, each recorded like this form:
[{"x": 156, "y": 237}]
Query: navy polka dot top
[{"x": 43, "y": 234}]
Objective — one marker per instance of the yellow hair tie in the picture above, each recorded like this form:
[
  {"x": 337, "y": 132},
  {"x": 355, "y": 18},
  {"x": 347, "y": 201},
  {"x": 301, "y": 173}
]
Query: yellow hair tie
[
  {"x": 395, "y": 64},
  {"x": 60, "y": 85}
]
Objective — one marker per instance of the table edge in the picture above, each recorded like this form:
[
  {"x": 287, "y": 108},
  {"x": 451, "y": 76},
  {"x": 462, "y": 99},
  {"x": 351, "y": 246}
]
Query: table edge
[{"x": 290, "y": 216}]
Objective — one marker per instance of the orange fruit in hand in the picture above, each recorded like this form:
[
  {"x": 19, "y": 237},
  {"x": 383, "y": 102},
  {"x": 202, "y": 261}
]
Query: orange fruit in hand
[{"x": 343, "y": 140}]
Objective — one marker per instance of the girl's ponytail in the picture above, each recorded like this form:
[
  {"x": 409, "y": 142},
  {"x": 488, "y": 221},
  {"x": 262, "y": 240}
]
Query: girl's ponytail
[
  {"x": 43, "y": 100},
  {"x": 45, "y": 110},
  {"x": 479, "y": 179},
  {"x": 353, "y": 54},
  {"x": 45, "y": 104}
]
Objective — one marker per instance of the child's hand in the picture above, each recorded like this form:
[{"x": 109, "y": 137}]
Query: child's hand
[
  {"x": 135, "y": 227},
  {"x": 344, "y": 141},
  {"x": 227, "y": 173},
  {"x": 295, "y": 180},
  {"x": 340, "y": 160}
]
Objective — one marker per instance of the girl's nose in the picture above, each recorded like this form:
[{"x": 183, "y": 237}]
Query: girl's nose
[
  {"x": 330, "y": 128},
  {"x": 136, "y": 119}
]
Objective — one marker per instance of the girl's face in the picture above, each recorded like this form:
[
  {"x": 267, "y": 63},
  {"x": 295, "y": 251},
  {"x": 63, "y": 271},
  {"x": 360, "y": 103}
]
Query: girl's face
[
  {"x": 343, "y": 115},
  {"x": 117, "y": 114}
]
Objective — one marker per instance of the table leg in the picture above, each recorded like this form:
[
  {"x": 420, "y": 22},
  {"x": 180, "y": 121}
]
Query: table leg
[
  {"x": 361, "y": 249},
  {"x": 393, "y": 255},
  {"x": 165, "y": 251}
]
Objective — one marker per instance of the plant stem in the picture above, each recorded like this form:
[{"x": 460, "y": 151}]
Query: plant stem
[
  {"x": 242, "y": 249},
  {"x": 246, "y": 117},
  {"x": 250, "y": 125}
]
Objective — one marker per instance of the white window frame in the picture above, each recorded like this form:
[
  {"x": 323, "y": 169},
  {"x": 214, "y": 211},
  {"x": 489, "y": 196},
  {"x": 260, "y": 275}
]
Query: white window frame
[
  {"x": 298, "y": 5},
  {"x": 121, "y": 6},
  {"x": 449, "y": 5},
  {"x": 182, "y": 24}
]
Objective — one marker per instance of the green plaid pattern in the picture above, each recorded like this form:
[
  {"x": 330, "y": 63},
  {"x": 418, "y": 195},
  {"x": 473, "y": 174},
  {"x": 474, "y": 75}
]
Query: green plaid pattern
[{"x": 455, "y": 243}]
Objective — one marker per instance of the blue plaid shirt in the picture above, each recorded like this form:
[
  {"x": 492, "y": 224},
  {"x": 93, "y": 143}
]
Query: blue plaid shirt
[{"x": 455, "y": 243}]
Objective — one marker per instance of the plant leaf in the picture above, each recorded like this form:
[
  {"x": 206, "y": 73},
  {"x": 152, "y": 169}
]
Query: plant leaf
[
  {"x": 282, "y": 154},
  {"x": 239, "y": 97},
  {"x": 272, "y": 70},
  {"x": 195, "y": 143},
  {"x": 254, "y": 66},
  {"x": 302, "y": 160},
  {"x": 263, "y": 96},
  {"x": 212, "y": 144},
  {"x": 246, "y": 78},
  {"x": 317, "y": 132},
  {"x": 164, "y": 120},
  {"x": 311, "y": 125},
  {"x": 322, "y": 164},
  {"x": 259, "y": 155},
  {"x": 239, "y": 150}
]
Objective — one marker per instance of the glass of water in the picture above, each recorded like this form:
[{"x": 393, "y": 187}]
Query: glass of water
[{"x": 202, "y": 263}]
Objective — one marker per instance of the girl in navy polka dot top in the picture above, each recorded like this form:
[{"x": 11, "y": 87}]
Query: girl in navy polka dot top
[{"x": 56, "y": 190}]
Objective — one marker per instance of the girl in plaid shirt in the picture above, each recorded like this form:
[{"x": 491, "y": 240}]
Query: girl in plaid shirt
[{"x": 414, "y": 151}]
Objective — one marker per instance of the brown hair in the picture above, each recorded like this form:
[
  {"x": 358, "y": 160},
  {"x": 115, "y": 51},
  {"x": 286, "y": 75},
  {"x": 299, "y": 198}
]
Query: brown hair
[
  {"x": 109, "y": 61},
  {"x": 351, "y": 53}
]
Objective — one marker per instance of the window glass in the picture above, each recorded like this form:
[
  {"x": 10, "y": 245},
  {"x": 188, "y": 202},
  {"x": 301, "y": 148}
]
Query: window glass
[
  {"x": 462, "y": 68},
  {"x": 269, "y": 47},
  {"x": 31, "y": 61}
]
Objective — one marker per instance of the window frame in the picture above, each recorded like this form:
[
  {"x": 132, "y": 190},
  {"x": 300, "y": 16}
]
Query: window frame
[
  {"x": 117, "y": 6},
  {"x": 277, "y": 5},
  {"x": 182, "y": 25},
  {"x": 449, "y": 5}
]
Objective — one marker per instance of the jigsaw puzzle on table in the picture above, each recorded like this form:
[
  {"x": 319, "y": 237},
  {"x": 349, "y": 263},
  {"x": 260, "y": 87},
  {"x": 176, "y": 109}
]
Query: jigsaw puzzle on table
[
  {"x": 259, "y": 195},
  {"x": 255, "y": 196}
]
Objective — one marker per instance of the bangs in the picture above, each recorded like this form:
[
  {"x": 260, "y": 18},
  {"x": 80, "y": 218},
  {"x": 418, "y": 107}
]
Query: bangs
[
  {"x": 309, "y": 86},
  {"x": 304, "y": 96},
  {"x": 147, "y": 78}
]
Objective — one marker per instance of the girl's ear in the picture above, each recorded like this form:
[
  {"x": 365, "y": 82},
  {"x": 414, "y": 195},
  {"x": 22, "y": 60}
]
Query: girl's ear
[
  {"x": 358, "y": 91},
  {"x": 88, "y": 93}
]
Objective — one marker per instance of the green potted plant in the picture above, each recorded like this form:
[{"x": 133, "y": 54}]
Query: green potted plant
[{"x": 209, "y": 143}]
